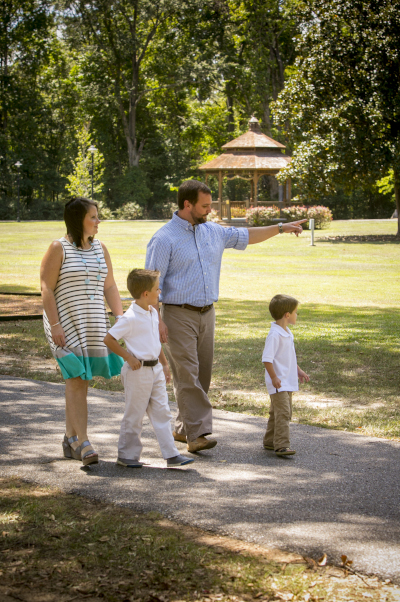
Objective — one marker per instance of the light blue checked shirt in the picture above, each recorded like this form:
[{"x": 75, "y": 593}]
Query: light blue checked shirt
[{"x": 189, "y": 259}]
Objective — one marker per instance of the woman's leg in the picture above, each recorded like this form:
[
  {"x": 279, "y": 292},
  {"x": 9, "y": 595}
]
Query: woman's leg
[{"x": 76, "y": 410}]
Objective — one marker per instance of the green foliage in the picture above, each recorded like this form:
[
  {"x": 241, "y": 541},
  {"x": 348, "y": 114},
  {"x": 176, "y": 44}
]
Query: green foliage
[
  {"x": 341, "y": 104},
  {"x": 131, "y": 188},
  {"x": 386, "y": 184},
  {"x": 80, "y": 181}
]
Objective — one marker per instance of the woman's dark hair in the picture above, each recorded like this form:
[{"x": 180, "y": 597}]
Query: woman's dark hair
[
  {"x": 189, "y": 191},
  {"x": 74, "y": 214}
]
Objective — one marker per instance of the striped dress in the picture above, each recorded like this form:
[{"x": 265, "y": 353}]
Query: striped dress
[{"x": 79, "y": 296}]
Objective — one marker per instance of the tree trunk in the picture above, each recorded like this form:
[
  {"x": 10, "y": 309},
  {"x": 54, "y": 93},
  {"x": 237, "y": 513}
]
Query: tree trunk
[{"x": 397, "y": 196}]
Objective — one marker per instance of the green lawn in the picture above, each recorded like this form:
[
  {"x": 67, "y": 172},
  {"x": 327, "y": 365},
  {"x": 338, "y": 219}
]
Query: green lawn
[{"x": 347, "y": 334}]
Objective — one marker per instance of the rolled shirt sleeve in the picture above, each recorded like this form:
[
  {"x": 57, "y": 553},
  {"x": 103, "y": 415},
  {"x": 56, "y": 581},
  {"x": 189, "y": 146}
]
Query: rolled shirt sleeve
[{"x": 235, "y": 238}]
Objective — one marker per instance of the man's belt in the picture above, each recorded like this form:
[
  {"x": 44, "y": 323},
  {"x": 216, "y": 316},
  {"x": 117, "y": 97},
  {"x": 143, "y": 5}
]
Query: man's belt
[
  {"x": 149, "y": 362},
  {"x": 202, "y": 310}
]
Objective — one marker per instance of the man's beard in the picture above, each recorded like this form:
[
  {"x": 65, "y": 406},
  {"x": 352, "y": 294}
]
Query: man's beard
[{"x": 198, "y": 220}]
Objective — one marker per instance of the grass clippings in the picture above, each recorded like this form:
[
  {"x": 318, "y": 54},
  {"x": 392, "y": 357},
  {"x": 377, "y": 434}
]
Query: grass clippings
[{"x": 62, "y": 547}]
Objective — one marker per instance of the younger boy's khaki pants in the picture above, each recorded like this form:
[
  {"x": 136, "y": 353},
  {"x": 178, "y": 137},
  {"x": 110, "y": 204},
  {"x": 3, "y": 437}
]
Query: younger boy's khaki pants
[{"x": 280, "y": 414}]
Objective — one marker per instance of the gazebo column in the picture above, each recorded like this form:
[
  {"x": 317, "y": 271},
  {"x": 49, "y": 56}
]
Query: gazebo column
[
  {"x": 220, "y": 194},
  {"x": 255, "y": 183}
]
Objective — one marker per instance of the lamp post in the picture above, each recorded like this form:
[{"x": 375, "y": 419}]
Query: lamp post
[
  {"x": 18, "y": 164},
  {"x": 92, "y": 149}
]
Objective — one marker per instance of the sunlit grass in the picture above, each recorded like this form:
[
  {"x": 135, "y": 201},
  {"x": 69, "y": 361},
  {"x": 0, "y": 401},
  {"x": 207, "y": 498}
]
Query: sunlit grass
[{"x": 346, "y": 336}]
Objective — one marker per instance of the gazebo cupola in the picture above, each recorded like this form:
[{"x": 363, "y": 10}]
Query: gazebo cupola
[{"x": 250, "y": 157}]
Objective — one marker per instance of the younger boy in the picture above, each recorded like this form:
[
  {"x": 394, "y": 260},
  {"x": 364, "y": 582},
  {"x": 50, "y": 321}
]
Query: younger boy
[
  {"x": 281, "y": 373},
  {"x": 143, "y": 376}
]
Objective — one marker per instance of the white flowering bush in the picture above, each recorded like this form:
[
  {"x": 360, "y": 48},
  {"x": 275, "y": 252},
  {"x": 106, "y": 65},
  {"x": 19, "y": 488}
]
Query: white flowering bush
[{"x": 129, "y": 211}]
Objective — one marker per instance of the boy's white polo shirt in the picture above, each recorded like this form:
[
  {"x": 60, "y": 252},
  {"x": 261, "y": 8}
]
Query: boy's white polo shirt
[
  {"x": 139, "y": 329},
  {"x": 280, "y": 352}
]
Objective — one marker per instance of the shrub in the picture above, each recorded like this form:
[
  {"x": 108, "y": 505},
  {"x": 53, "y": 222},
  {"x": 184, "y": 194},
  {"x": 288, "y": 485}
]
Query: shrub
[
  {"x": 213, "y": 216},
  {"x": 162, "y": 210},
  {"x": 262, "y": 216},
  {"x": 104, "y": 211},
  {"x": 294, "y": 213},
  {"x": 265, "y": 216},
  {"x": 322, "y": 216},
  {"x": 129, "y": 211}
]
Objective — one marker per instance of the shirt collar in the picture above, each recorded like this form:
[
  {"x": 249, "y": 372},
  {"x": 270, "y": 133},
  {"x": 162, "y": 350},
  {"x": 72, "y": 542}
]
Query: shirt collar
[
  {"x": 280, "y": 330},
  {"x": 182, "y": 223},
  {"x": 135, "y": 307}
]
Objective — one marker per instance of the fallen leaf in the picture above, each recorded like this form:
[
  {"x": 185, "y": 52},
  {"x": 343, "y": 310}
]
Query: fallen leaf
[
  {"x": 104, "y": 538},
  {"x": 322, "y": 560},
  {"x": 286, "y": 596}
]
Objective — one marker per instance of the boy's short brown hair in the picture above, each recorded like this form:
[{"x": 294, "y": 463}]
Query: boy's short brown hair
[
  {"x": 140, "y": 281},
  {"x": 282, "y": 304}
]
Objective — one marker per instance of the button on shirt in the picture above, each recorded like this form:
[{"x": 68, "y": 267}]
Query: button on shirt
[
  {"x": 139, "y": 329},
  {"x": 189, "y": 259},
  {"x": 280, "y": 352}
]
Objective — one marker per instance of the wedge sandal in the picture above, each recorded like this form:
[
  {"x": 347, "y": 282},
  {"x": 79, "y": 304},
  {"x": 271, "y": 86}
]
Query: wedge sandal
[
  {"x": 88, "y": 457},
  {"x": 68, "y": 450}
]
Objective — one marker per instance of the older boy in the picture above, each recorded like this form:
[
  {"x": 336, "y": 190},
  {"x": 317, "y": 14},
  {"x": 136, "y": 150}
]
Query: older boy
[
  {"x": 282, "y": 373},
  {"x": 143, "y": 376}
]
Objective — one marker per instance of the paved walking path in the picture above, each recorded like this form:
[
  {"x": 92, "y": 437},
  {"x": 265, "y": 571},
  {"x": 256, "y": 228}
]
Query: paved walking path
[{"x": 338, "y": 495}]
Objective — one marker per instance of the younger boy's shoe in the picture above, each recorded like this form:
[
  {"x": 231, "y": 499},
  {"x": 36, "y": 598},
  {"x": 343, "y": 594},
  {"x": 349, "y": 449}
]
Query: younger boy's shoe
[
  {"x": 178, "y": 461},
  {"x": 200, "y": 443},
  {"x": 129, "y": 463},
  {"x": 285, "y": 451},
  {"x": 178, "y": 437}
]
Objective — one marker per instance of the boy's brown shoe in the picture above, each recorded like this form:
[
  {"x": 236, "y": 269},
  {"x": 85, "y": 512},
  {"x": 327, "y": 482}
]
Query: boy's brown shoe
[
  {"x": 285, "y": 451},
  {"x": 178, "y": 437},
  {"x": 200, "y": 443}
]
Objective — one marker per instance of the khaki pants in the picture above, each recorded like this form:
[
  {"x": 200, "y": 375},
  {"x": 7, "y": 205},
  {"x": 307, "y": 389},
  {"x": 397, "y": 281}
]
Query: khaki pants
[
  {"x": 280, "y": 414},
  {"x": 190, "y": 352}
]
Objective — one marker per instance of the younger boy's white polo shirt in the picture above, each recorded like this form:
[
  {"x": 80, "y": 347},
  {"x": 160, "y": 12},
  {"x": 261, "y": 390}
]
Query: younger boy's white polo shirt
[
  {"x": 280, "y": 352},
  {"x": 139, "y": 329}
]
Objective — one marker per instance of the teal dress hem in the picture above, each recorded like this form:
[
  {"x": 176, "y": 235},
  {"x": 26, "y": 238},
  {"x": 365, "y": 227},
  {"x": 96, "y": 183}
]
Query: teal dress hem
[{"x": 72, "y": 366}]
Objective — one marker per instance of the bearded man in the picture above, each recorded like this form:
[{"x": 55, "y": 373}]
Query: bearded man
[{"x": 187, "y": 251}]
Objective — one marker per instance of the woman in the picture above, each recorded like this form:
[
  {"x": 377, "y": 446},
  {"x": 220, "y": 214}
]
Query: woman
[{"x": 76, "y": 273}]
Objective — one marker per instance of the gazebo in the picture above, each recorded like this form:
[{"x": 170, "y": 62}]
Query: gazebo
[{"x": 249, "y": 157}]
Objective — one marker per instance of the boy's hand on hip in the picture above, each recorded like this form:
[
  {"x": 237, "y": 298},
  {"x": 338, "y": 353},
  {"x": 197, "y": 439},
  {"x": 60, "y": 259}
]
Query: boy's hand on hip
[
  {"x": 303, "y": 377},
  {"x": 167, "y": 373},
  {"x": 134, "y": 362},
  {"x": 276, "y": 382}
]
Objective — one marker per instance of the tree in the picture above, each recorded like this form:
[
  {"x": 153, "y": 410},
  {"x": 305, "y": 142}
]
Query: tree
[
  {"x": 80, "y": 181},
  {"x": 341, "y": 103}
]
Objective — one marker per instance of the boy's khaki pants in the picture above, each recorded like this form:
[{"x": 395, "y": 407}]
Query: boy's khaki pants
[{"x": 280, "y": 414}]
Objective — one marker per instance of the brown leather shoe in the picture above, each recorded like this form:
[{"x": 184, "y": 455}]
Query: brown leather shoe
[
  {"x": 178, "y": 437},
  {"x": 200, "y": 443}
]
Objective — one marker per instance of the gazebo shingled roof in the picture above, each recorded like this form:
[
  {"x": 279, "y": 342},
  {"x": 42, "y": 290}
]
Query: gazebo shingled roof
[{"x": 251, "y": 152}]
